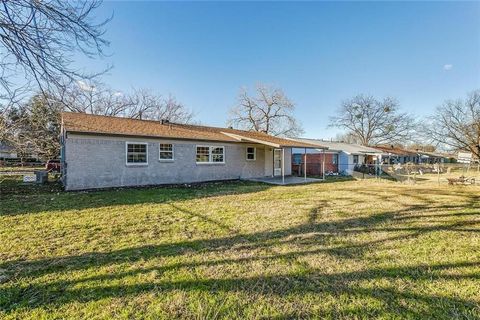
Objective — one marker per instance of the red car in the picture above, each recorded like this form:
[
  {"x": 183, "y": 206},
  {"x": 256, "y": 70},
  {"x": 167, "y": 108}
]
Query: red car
[{"x": 53, "y": 166}]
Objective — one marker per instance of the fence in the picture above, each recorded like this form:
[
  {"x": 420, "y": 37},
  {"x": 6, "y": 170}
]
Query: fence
[{"x": 444, "y": 173}]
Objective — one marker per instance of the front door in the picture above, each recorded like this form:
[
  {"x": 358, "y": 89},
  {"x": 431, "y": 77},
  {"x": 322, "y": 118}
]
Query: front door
[{"x": 277, "y": 162}]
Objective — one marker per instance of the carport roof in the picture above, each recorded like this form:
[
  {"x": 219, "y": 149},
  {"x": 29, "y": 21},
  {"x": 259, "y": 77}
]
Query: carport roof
[{"x": 349, "y": 148}]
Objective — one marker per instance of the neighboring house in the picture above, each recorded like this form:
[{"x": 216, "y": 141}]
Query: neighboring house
[
  {"x": 7, "y": 151},
  {"x": 349, "y": 155},
  {"x": 431, "y": 157},
  {"x": 102, "y": 152},
  {"x": 396, "y": 155}
]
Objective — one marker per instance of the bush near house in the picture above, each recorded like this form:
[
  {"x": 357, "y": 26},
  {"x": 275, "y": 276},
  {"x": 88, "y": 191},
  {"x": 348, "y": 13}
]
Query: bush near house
[{"x": 350, "y": 249}]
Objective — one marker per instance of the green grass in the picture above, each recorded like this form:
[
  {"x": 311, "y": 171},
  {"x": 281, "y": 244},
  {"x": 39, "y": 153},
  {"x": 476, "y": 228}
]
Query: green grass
[{"x": 351, "y": 249}]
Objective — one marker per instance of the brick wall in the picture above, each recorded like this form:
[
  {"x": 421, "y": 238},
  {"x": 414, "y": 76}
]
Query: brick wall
[
  {"x": 99, "y": 162},
  {"x": 314, "y": 164}
]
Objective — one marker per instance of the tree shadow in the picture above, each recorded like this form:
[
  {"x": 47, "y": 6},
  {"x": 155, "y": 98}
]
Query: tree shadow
[
  {"x": 33, "y": 283},
  {"x": 313, "y": 237},
  {"x": 79, "y": 200}
]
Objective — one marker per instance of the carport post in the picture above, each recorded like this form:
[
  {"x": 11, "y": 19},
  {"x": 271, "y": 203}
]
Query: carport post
[
  {"x": 305, "y": 166},
  {"x": 283, "y": 165},
  {"x": 323, "y": 165}
]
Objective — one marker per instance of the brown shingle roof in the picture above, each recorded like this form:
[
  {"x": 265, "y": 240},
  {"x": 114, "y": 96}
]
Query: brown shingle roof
[{"x": 96, "y": 124}]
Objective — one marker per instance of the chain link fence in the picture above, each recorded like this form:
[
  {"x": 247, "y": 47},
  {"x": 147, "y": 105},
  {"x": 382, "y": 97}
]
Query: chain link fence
[{"x": 440, "y": 173}]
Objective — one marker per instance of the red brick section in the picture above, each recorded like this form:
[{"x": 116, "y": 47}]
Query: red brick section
[{"x": 314, "y": 164}]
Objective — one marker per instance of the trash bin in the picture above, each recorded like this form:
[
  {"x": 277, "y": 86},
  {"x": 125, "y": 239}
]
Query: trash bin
[{"x": 42, "y": 176}]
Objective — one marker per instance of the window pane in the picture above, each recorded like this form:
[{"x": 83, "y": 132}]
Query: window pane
[
  {"x": 203, "y": 154},
  {"x": 136, "y": 153},
  {"x": 218, "y": 150},
  {"x": 166, "y": 155},
  {"x": 166, "y": 151},
  {"x": 250, "y": 153},
  {"x": 166, "y": 147},
  {"x": 217, "y": 154}
]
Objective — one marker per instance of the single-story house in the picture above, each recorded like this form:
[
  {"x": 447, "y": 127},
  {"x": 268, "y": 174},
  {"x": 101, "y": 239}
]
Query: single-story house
[
  {"x": 344, "y": 156},
  {"x": 103, "y": 151},
  {"x": 396, "y": 155},
  {"x": 431, "y": 157}
]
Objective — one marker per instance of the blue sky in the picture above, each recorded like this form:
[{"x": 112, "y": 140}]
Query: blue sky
[{"x": 319, "y": 53}]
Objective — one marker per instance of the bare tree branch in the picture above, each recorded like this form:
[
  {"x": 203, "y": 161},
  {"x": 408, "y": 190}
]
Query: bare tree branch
[
  {"x": 269, "y": 111},
  {"x": 370, "y": 121},
  {"x": 456, "y": 124},
  {"x": 38, "y": 40}
]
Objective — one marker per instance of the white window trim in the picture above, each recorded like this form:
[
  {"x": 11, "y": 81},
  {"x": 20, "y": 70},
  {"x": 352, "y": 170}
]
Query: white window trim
[
  {"x": 209, "y": 154},
  {"x": 254, "y": 153},
  {"x": 126, "y": 154},
  {"x": 173, "y": 152}
]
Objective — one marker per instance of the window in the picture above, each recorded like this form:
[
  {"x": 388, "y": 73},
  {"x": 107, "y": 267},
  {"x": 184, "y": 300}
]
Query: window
[
  {"x": 137, "y": 153},
  {"x": 355, "y": 159},
  {"x": 335, "y": 158},
  {"x": 217, "y": 154},
  {"x": 166, "y": 152},
  {"x": 251, "y": 153},
  {"x": 207, "y": 154},
  {"x": 203, "y": 154}
]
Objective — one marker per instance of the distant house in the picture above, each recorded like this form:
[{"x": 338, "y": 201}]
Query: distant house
[
  {"x": 343, "y": 157},
  {"x": 394, "y": 155},
  {"x": 101, "y": 152},
  {"x": 431, "y": 157}
]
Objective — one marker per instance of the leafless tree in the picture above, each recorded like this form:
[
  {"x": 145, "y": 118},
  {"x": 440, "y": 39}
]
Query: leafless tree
[
  {"x": 422, "y": 147},
  {"x": 346, "y": 137},
  {"x": 148, "y": 105},
  {"x": 456, "y": 124},
  {"x": 373, "y": 121},
  {"x": 95, "y": 98},
  {"x": 269, "y": 111},
  {"x": 92, "y": 97},
  {"x": 33, "y": 127},
  {"x": 38, "y": 40}
]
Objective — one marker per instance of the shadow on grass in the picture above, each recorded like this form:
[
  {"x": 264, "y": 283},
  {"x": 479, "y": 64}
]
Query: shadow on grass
[
  {"x": 407, "y": 301},
  {"x": 46, "y": 201}
]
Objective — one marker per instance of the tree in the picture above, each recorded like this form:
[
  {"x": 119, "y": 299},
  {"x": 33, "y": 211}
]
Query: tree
[
  {"x": 346, "y": 137},
  {"x": 425, "y": 147},
  {"x": 371, "y": 121},
  {"x": 34, "y": 128},
  {"x": 269, "y": 111},
  {"x": 95, "y": 98},
  {"x": 38, "y": 39},
  {"x": 456, "y": 124},
  {"x": 144, "y": 104}
]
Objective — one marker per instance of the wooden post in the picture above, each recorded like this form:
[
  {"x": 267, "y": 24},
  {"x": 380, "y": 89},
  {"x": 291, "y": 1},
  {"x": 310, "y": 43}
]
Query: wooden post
[{"x": 283, "y": 165}]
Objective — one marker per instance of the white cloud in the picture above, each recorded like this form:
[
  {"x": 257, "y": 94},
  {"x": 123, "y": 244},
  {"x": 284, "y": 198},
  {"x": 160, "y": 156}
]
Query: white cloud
[
  {"x": 447, "y": 67},
  {"x": 85, "y": 86}
]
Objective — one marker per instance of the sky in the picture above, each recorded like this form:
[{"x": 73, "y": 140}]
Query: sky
[{"x": 319, "y": 53}]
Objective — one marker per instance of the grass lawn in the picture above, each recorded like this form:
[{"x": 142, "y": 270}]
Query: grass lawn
[{"x": 353, "y": 249}]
